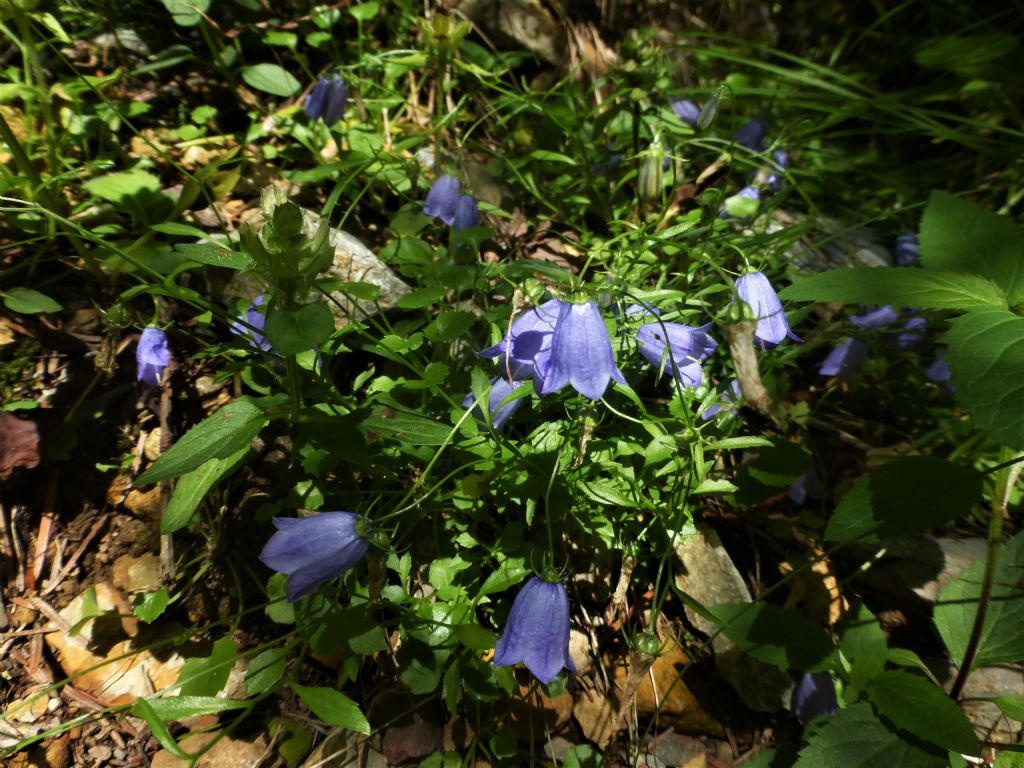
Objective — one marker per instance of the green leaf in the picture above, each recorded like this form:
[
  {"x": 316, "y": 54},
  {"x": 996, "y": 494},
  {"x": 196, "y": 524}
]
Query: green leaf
[
  {"x": 187, "y": 13},
  {"x": 408, "y": 427},
  {"x": 219, "y": 436},
  {"x": 863, "y": 643},
  {"x": 215, "y": 255},
  {"x": 192, "y": 488},
  {"x": 271, "y": 78},
  {"x": 135, "y": 192},
  {"x": 365, "y": 11},
  {"x": 986, "y": 361},
  {"x": 925, "y": 288},
  {"x": 206, "y": 676},
  {"x": 1012, "y": 706},
  {"x": 510, "y": 572},
  {"x": 143, "y": 709},
  {"x": 333, "y": 707},
  {"x": 149, "y": 606},
  {"x": 782, "y": 464},
  {"x": 475, "y": 637},
  {"x": 265, "y": 670},
  {"x": 1007, "y": 759},
  {"x": 1002, "y": 635},
  {"x": 856, "y": 738},
  {"x": 89, "y": 610},
  {"x": 180, "y": 707},
  {"x": 922, "y": 708},
  {"x": 25, "y": 301},
  {"x": 293, "y": 331},
  {"x": 449, "y": 325},
  {"x": 963, "y": 236},
  {"x": 421, "y": 297},
  {"x": 905, "y": 496},
  {"x": 773, "y": 635}
]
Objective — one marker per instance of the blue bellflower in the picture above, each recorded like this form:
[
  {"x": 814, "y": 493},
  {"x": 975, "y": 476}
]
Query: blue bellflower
[
  {"x": 738, "y": 205},
  {"x": 467, "y": 214},
  {"x": 313, "y": 550},
  {"x": 876, "y": 318},
  {"x": 250, "y": 326},
  {"x": 845, "y": 359},
  {"x": 676, "y": 348},
  {"x": 537, "y": 632},
  {"x": 686, "y": 111},
  {"x": 153, "y": 356},
  {"x": 913, "y": 332},
  {"x": 500, "y": 389},
  {"x": 907, "y": 251},
  {"x": 806, "y": 486},
  {"x": 727, "y": 402},
  {"x": 328, "y": 100},
  {"x": 581, "y": 353},
  {"x": 443, "y": 199},
  {"x": 754, "y": 290},
  {"x": 772, "y": 176},
  {"x": 938, "y": 372},
  {"x": 814, "y": 696},
  {"x": 751, "y": 134},
  {"x": 527, "y": 346}
]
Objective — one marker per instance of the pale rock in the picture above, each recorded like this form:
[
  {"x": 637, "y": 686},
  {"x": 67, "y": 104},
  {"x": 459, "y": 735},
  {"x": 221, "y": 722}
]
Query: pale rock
[
  {"x": 137, "y": 574},
  {"x": 145, "y": 504},
  {"x": 579, "y": 651},
  {"x": 227, "y": 752},
  {"x": 151, "y": 448},
  {"x": 678, "y": 751}
]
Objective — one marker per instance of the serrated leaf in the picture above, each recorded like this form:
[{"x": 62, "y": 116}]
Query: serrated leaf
[
  {"x": 925, "y": 288},
  {"x": 226, "y": 432},
  {"x": 963, "y": 236},
  {"x": 333, "y": 707},
  {"x": 773, "y": 634},
  {"x": 856, "y": 738},
  {"x": 905, "y": 496},
  {"x": 863, "y": 643},
  {"x": 25, "y": 301},
  {"x": 192, "y": 488},
  {"x": 1002, "y": 635},
  {"x": 271, "y": 78},
  {"x": 986, "y": 362},
  {"x": 920, "y": 707}
]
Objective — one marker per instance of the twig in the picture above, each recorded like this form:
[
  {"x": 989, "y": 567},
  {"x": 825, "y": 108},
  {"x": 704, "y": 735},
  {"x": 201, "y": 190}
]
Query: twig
[{"x": 77, "y": 556}]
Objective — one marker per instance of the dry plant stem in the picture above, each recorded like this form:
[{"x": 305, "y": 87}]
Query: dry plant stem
[
  {"x": 1005, "y": 481},
  {"x": 744, "y": 359}
]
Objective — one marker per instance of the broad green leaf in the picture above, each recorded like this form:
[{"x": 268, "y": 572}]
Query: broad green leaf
[
  {"x": 89, "y": 610},
  {"x": 407, "y": 427},
  {"x": 135, "y": 192},
  {"x": 180, "y": 707},
  {"x": 1007, "y": 759},
  {"x": 986, "y": 361},
  {"x": 475, "y": 637},
  {"x": 863, "y": 643},
  {"x": 149, "y": 606},
  {"x": 905, "y": 496},
  {"x": 333, "y": 707},
  {"x": 25, "y": 301},
  {"x": 920, "y": 707},
  {"x": 1002, "y": 636},
  {"x": 215, "y": 255},
  {"x": 421, "y": 297},
  {"x": 962, "y": 236},
  {"x": 1012, "y": 706},
  {"x": 292, "y": 331},
  {"x": 271, "y": 78},
  {"x": 192, "y": 488},
  {"x": 265, "y": 670},
  {"x": 365, "y": 11},
  {"x": 219, "y": 436},
  {"x": 510, "y": 572},
  {"x": 187, "y": 13},
  {"x": 773, "y": 634},
  {"x": 780, "y": 464},
  {"x": 449, "y": 325},
  {"x": 206, "y": 676},
  {"x": 856, "y": 738},
  {"x": 925, "y": 288}
]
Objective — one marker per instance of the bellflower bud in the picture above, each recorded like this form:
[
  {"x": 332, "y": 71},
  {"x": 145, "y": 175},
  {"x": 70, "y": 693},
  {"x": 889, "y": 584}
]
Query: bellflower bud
[
  {"x": 806, "y": 486},
  {"x": 913, "y": 331},
  {"x": 537, "y": 632},
  {"x": 755, "y": 291},
  {"x": 313, "y": 550},
  {"x": 152, "y": 355},
  {"x": 876, "y": 318},
  {"x": 709, "y": 111},
  {"x": 328, "y": 100},
  {"x": 938, "y": 372},
  {"x": 652, "y": 169},
  {"x": 907, "y": 250},
  {"x": 442, "y": 199}
]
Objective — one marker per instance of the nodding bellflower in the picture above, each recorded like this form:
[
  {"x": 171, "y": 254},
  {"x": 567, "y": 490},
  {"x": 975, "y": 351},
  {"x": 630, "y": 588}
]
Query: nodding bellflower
[
  {"x": 581, "y": 353},
  {"x": 772, "y": 176},
  {"x": 328, "y": 100},
  {"x": 727, "y": 399},
  {"x": 500, "y": 389},
  {"x": 876, "y": 318},
  {"x": 153, "y": 356},
  {"x": 537, "y": 632},
  {"x": 938, "y": 372},
  {"x": 754, "y": 290},
  {"x": 686, "y": 111},
  {"x": 806, "y": 486},
  {"x": 751, "y": 134},
  {"x": 743, "y": 205},
  {"x": 814, "y": 696},
  {"x": 443, "y": 199},
  {"x": 676, "y": 348},
  {"x": 250, "y": 326},
  {"x": 526, "y": 348},
  {"x": 845, "y": 359},
  {"x": 313, "y": 550},
  {"x": 913, "y": 332},
  {"x": 467, "y": 214},
  {"x": 907, "y": 251}
]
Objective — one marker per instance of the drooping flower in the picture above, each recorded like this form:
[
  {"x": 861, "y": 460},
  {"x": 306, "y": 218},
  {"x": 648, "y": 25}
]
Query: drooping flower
[
  {"x": 814, "y": 696},
  {"x": 751, "y": 134},
  {"x": 913, "y": 332},
  {"x": 500, "y": 389},
  {"x": 727, "y": 402},
  {"x": 772, "y": 176},
  {"x": 845, "y": 358},
  {"x": 527, "y": 346},
  {"x": 742, "y": 205},
  {"x": 907, "y": 251},
  {"x": 938, "y": 372},
  {"x": 686, "y": 111},
  {"x": 806, "y": 486},
  {"x": 876, "y": 318},
  {"x": 756, "y": 291},
  {"x": 328, "y": 100},
  {"x": 676, "y": 348},
  {"x": 581, "y": 353},
  {"x": 442, "y": 199},
  {"x": 467, "y": 214},
  {"x": 250, "y": 326},
  {"x": 312, "y": 550},
  {"x": 537, "y": 632},
  {"x": 152, "y": 355}
]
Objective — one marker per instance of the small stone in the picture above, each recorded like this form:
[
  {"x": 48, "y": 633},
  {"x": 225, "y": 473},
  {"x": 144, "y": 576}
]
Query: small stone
[
  {"x": 557, "y": 748},
  {"x": 146, "y": 504},
  {"x": 27, "y": 709},
  {"x": 579, "y": 651},
  {"x": 137, "y": 574},
  {"x": 151, "y": 448},
  {"x": 678, "y": 751}
]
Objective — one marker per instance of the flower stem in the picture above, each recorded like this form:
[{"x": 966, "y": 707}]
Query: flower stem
[{"x": 744, "y": 359}]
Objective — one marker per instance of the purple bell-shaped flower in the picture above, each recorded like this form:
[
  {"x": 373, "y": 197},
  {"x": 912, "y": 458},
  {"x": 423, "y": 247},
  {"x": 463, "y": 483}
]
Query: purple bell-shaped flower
[
  {"x": 845, "y": 359},
  {"x": 328, "y": 100},
  {"x": 467, "y": 214},
  {"x": 581, "y": 353},
  {"x": 756, "y": 291},
  {"x": 751, "y": 134},
  {"x": 250, "y": 327},
  {"x": 537, "y": 632},
  {"x": 686, "y": 111},
  {"x": 500, "y": 389},
  {"x": 153, "y": 356},
  {"x": 907, "y": 250},
  {"x": 676, "y": 348},
  {"x": 443, "y": 199},
  {"x": 814, "y": 696}
]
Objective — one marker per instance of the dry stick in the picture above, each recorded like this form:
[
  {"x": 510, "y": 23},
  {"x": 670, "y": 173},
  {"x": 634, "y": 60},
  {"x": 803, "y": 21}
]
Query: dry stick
[{"x": 744, "y": 359}]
